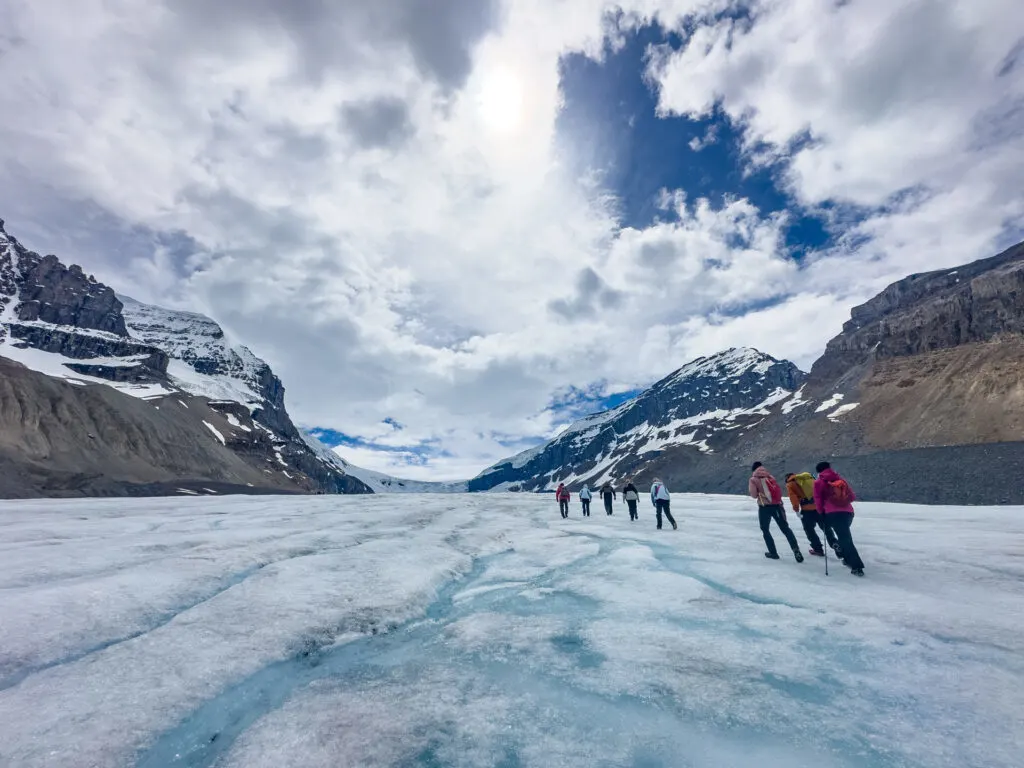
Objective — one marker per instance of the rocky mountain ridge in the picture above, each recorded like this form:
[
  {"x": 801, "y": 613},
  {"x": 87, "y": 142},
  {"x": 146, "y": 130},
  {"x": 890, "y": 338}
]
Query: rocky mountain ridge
[
  {"x": 56, "y": 320},
  {"x": 693, "y": 406}
]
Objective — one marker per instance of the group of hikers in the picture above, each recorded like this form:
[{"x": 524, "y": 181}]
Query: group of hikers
[
  {"x": 660, "y": 500},
  {"x": 824, "y": 502}
]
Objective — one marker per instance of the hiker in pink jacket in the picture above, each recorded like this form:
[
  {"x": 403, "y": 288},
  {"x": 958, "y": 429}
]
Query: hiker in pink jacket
[
  {"x": 562, "y": 496},
  {"x": 834, "y": 497},
  {"x": 764, "y": 488}
]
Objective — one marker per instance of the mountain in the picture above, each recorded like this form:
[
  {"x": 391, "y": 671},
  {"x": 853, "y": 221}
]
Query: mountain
[
  {"x": 101, "y": 394},
  {"x": 919, "y": 399},
  {"x": 930, "y": 376},
  {"x": 696, "y": 408}
]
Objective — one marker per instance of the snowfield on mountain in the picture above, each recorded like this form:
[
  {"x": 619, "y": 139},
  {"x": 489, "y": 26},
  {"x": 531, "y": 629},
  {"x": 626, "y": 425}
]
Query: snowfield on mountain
[{"x": 480, "y": 630}]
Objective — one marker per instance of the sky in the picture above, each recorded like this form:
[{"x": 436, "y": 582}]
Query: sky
[{"x": 452, "y": 226}]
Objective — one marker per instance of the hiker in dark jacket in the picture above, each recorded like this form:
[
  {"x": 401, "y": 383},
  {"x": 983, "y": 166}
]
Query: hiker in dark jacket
[
  {"x": 608, "y": 494},
  {"x": 631, "y": 496},
  {"x": 766, "y": 490},
  {"x": 801, "y": 495},
  {"x": 834, "y": 497}
]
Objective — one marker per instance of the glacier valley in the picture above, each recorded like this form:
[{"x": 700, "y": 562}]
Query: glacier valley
[{"x": 483, "y": 630}]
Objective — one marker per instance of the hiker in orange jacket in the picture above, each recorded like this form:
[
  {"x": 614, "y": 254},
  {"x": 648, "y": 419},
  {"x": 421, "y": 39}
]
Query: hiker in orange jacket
[{"x": 800, "y": 488}]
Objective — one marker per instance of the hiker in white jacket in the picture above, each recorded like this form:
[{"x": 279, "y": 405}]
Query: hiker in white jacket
[
  {"x": 661, "y": 501},
  {"x": 631, "y": 496},
  {"x": 585, "y": 497}
]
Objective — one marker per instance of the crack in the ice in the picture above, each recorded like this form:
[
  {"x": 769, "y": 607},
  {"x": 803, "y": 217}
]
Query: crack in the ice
[
  {"x": 212, "y": 729},
  {"x": 166, "y": 618},
  {"x": 668, "y": 558}
]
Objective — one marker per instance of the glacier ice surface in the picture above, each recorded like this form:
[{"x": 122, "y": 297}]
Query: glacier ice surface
[{"x": 484, "y": 630}]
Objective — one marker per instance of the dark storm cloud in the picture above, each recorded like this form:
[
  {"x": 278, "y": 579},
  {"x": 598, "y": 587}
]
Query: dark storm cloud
[
  {"x": 377, "y": 123},
  {"x": 440, "y": 34}
]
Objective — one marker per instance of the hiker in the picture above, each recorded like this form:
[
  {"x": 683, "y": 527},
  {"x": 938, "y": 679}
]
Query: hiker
[
  {"x": 631, "y": 496},
  {"x": 801, "y": 495},
  {"x": 834, "y": 497},
  {"x": 562, "y": 494},
  {"x": 585, "y": 497},
  {"x": 608, "y": 494},
  {"x": 763, "y": 487},
  {"x": 661, "y": 501}
]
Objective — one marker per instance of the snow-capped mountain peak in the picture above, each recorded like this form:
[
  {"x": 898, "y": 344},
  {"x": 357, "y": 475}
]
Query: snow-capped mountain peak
[
  {"x": 728, "y": 364},
  {"x": 687, "y": 409},
  {"x": 202, "y": 361}
]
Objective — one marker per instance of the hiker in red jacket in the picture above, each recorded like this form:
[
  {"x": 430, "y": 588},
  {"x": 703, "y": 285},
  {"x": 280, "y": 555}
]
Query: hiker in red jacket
[
  {"x": 562, "y": 495},
  {"x": 766, "y": 490},
  {"x": 834, "y": 498}
]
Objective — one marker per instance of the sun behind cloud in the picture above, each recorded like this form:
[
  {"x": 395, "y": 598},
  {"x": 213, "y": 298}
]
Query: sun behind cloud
[{"x": 500, "y": 100}]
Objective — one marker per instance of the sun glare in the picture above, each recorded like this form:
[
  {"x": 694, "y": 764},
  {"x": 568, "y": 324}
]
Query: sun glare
[{"x": 500, "y": 101}]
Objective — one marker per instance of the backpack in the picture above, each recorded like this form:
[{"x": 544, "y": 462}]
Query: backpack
[
  {"x": 774, "y": 492},
  {"x": 839, "y": 491},
  {"x": 631, "y": 495},
  {"x": 806, "y": 484}
]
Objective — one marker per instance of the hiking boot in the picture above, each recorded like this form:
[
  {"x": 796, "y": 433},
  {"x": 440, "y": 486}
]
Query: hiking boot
[
  {"x": 798, "y": 556},
  {"x": 772, "y": 555},
  {"x": 817, "y": 552},
  {"x": 857, "y": 571},
  {"x": 675, "y": 527}
]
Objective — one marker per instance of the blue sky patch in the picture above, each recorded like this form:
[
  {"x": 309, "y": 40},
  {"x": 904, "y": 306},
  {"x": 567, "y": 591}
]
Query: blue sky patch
[{"x": 610, "y": 121}]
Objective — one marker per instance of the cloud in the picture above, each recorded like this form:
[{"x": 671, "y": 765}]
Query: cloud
[
  {"x": 438, "y": 35},
  {"x": 878, "y": 97},
  {"x": 592, "y": 295},
  {"x": 697, "y": 143},
  {"x": 379, "y": 123},
  {"x": 374, "y": 197}
]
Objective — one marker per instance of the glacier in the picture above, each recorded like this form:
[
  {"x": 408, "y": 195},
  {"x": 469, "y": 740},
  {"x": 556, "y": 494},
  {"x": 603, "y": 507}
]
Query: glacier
[{"x": 482, "y": 630}]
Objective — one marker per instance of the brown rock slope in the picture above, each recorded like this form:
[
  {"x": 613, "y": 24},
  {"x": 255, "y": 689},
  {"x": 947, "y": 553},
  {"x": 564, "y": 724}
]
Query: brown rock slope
[{"x": 935, "y": 364}]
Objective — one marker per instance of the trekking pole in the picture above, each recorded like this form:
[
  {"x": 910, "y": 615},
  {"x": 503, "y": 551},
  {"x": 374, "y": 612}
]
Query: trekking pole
[{"x": 826, "y": 555}]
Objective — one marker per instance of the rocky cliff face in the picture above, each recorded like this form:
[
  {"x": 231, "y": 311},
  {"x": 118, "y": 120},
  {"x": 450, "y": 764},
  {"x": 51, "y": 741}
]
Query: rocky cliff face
[
  {"x": 53, "y": 293},
  {"x": 978, "y": 302},
  {"x": 56, "y": 320},
  {"x": 695, "y": 407}
]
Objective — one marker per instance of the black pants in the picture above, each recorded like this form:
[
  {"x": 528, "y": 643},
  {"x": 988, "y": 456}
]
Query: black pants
[
  {"x": 662, "y": 505},
  {"x": 840, "y": 522},
  {"x": 632, "y": 509},
  {"x": 775, "y": 512},
  {"x": 563, "y": 507},
  {"x": 586, "y": 507},
  {"x": 608, "y": 503},
  {"x": 810, "y": 519}
]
